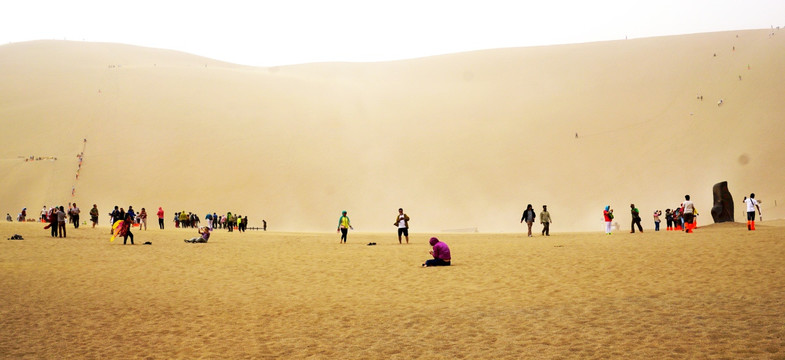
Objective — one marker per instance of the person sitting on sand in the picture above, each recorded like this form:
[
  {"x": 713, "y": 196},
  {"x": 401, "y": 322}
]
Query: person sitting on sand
[
  {"x": 205, "y": 235},
  {"x": 440, "y": 253},
  {"x": 8, "y": 217}
]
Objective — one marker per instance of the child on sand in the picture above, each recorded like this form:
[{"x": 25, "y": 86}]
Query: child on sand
[
  {"x": 204, "y": 231},
  {"x": 440, "y": 253}
]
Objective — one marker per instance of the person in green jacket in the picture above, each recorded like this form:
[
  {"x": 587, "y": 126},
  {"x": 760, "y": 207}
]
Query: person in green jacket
[
  {"x": 636, "y": 219},
  {"x": 344, "y": 224}
]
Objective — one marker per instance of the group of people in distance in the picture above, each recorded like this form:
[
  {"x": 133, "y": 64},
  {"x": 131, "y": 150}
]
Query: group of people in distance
[
  {"x": 681, "y": 218},
  {"x": 686, "y": 211},
  {"x": 440, "y": 252}
]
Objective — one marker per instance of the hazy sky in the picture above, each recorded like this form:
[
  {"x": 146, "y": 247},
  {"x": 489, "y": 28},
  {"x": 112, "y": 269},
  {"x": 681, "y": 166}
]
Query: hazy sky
[{"x": 267, "y": 33}]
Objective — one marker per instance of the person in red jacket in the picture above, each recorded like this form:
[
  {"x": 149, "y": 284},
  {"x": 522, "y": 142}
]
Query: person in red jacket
[{"x": 160, "y": 218}]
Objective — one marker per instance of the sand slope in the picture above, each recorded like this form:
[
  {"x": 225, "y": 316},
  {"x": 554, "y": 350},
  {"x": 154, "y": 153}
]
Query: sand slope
[
  {"x": 717, "y": 293},
  {"x": 460, "y": 141}
]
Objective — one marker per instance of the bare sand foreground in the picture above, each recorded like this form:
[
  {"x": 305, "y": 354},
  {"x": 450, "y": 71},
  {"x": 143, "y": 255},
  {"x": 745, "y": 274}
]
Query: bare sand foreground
[{"x": 717, "y": 293}]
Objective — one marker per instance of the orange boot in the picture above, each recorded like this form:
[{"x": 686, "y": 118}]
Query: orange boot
[
  {"x": 752, "y": 225},
  {"x": 749, "y": 225}
]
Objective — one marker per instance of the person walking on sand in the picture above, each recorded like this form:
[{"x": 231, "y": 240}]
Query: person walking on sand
[
  {"x": 528, "y": 216},
  {"x": 160, "y": 218},
  {"x": 608, "y": 215},
  {"x": 751, "y": 205},
  {"x": 689, "y": 214},
  {"x": 636, "y": 219},
  {"x": 402, "y": 221},
  {"x": 344, "y": 224},
  {"x": 440, "y": 252},
  {"x": 545, "y": 220},
  {"x": 75, "y": 215},
  {"x": 94, "y": 215}
]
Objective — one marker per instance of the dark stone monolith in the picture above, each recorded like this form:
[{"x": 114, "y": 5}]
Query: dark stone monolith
[{"x": 722, "y": 211}]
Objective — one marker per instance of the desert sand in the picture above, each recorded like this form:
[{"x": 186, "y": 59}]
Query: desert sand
[
  {"x": 717, "y": 293},
  {"x": 461, "y": 141}
]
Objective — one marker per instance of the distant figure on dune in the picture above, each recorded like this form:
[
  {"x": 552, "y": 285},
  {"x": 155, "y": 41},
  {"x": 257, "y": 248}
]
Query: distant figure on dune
[
  {"x": 545, "y": 220},
  {"x": 678, "y": 220},
  {"x": 22, "y": 215},
  {"x": 344, "y": 224},
  {"x": 636, "y": 219},
  {"x": 689, "y": 214},
  {"x": 204, "y": 231},
  {"x": 441, "y": 254},
  {"x": 94, "y": 215},
  {"x": 209, "y": 218},
  {"x": 8, "y": 217},
  {"x": 75, "y": 215},
  {"x": 52, "y": 218},
  {"x": 264, "y": 225},
  {"x": 230, "y": 221},
  {"x": 160, "y": 218},
  {"x": 608, "y": 215},
  {"x": 61, "y": 217},
  {"x": 143, "y": 219},
  {"x": 528, "y": 216},
  {"x": 402, "y": 222},
  {"x": 43, "y": 214},
  {"x": 751, "y": 205},
  {"x": 657, "y": 214},
  {"x": 668, "y": 220},
  {"x": 719, "y": 103}
]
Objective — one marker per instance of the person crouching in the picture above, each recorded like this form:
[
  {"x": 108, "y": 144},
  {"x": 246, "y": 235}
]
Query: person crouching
[{"x": 440, "y": 253}]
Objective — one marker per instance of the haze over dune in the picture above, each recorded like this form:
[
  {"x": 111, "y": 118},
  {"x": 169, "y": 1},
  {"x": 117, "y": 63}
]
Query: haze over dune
[{"x": 460, "y": 141}]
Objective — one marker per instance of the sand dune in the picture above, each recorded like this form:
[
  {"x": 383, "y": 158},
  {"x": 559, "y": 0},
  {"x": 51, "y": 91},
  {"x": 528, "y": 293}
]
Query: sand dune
[
  {"x": 717, "y": 293},
  {"x": 460, "y": 141}
]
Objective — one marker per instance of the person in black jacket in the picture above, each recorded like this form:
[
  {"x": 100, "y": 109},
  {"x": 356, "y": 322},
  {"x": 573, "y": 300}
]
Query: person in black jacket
[{"x": 528, "y": 216}]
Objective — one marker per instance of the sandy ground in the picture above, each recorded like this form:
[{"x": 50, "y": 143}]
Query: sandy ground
[{"x": 717, "y": 293}]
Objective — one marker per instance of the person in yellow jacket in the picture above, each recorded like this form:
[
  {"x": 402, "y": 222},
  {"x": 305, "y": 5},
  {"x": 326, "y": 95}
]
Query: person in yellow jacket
[{"x": 344, "y": 224}]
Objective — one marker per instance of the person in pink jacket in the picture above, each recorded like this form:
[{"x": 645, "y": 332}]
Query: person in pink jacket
[
  {"x": 160, "y": 217},
  {"x": 440, "y": 253}
]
